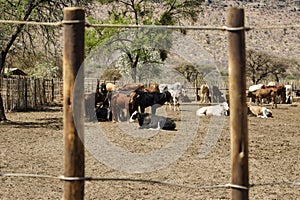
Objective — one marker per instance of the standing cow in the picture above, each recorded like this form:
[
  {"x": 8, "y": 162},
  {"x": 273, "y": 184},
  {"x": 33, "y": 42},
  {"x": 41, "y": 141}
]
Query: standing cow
[
  {"x": 204, "y": 94},
  {"x": 144, "y": 99},
  {"x": 177, "y": 90},
  {"x": 119, "y": 105},
  {"x": 288, "y": 91}
]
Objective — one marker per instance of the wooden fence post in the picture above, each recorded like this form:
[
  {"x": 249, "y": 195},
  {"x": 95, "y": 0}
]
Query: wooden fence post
[
  {"x": 238, "y": 107},
  {"x": 73, "y": 56}
]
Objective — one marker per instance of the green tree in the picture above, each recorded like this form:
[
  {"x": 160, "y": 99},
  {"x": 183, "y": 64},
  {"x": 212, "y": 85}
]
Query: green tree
[
  {"x": 111, "y": 74},
  {"x": 261, "y": 66},
  {"x": 146, "y": 12},
  {"x": 20, "y": 41}
]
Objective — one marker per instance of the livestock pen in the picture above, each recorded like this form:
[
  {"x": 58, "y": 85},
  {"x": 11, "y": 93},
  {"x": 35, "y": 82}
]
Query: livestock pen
[
  {"x": 22, "y": 93},
  {"x": 74, "y": 178}
]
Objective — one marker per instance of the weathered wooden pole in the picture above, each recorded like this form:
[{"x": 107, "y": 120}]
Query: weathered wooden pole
[
  {"x": 237, "y": 101},
  {"x": 73, "y": 56}
]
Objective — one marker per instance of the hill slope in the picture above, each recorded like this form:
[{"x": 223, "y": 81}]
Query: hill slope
[{"x": 283, "y": 42}]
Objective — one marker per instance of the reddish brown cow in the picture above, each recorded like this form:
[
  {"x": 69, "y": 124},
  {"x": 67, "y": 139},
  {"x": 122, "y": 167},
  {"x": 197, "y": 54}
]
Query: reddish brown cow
[
  {"x": 111, "y": 87},
  {"x": 204, "y": 94},
  {"x": 154, "y": 87},
  {"x": 119, "y": 103},
  {"x": 280, "y": 91},
  {"x": 266, "y": 93},
  {"x": 132, "y": 86}
]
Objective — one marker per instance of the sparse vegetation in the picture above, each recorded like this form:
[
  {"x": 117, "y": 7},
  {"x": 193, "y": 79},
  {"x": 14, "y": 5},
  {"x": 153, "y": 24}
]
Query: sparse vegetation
[{"x": 262, "y": 66}]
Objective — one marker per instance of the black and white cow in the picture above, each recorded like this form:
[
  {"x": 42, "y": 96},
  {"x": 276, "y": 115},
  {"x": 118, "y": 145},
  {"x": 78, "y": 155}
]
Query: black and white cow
[
  {"x": 148, "y": 121},
  {"x": 178, "y": 92},
  {"x": 144, "y": 99}
]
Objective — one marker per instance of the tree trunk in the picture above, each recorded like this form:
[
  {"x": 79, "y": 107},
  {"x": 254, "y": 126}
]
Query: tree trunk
[{"x": 2, "y": 113}]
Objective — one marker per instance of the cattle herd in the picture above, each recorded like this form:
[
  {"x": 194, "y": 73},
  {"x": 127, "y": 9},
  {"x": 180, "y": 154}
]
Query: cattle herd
[{"x": 128, "y": 102}]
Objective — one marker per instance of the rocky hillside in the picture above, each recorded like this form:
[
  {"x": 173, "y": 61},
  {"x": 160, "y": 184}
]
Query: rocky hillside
[{"x": 259, "y": 15}]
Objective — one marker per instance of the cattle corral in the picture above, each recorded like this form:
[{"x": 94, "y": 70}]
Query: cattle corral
[
  {"x": 32, "y": 143},
  {"x": 25, "y": 93},
  {"x": 234, "y": 187}
]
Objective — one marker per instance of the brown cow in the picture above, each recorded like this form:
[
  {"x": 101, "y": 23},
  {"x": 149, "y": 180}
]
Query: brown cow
[
  {"x": 270, "y": 93},
  {"x": 280, "y": 91},
  {"x": 94, "y": 100},
  {"x": 266, "y": 93},
  {"x": 153, "y": 87},
  {"x": 111, "y": 87},
  {"x": 119, "y": 103},
  {"x": 132, "y": 86},
  {"x": 204, "y": 94}
]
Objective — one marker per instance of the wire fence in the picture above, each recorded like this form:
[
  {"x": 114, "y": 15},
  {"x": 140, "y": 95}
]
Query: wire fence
[
  {"x": 228, "y": 185},
  {"x": 87, "y": 24},
  {"x": 130, "y": 26}
]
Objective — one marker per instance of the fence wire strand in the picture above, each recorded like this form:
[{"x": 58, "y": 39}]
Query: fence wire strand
[
  {"x": 209, "y": 28},
  {"x": 228, "y": 185}
]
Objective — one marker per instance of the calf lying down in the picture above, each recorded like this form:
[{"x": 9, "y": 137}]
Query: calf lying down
[
  {"x": 151, "y": 121},
  {"x": 216, "y": 110},
  {"x": 260, "y": 111}
]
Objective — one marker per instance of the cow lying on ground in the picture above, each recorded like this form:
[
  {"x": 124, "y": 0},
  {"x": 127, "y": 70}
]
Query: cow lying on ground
[
  {"x": 259, "y": 111},
  {"x": 148, "y": 121},
  {"x": 216, "y": 110}
]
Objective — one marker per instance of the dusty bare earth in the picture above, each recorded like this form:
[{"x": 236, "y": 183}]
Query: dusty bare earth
[{"x": 32, "y": 143}]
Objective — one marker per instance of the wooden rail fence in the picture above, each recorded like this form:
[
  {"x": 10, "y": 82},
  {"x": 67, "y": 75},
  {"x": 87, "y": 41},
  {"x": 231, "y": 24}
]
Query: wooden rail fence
[{"x": 20, "y": 93}]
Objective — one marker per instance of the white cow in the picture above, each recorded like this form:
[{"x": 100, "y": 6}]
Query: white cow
[
  {"x": 288, "y": 91},
  {"x": 177, "y": 91},
  {"x": 251, "y": 91},
  {"x": 216, "y": 110},
  {"x": 253, "y": 88}
]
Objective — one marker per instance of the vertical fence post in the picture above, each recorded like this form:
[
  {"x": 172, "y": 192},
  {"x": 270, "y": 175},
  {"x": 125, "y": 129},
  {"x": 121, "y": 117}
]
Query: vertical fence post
[
  {"x": 237, "y": 101},
  {"x": 73, "y": 56}
]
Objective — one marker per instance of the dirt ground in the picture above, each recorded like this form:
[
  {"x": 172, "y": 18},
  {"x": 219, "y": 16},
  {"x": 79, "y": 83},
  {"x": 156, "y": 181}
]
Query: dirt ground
[{"x": 32, "y": 143}]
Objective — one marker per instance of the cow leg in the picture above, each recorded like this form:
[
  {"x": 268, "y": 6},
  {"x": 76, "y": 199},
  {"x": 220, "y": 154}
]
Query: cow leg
[
  {"x": 115, "y": 113},
  {"x": 174, "y": 103},
  {"x": 127, "y": 111},
  {"x": 154, "y": 107}
]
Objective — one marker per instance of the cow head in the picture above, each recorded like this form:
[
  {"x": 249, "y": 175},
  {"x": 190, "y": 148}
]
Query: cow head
[
  {"x": 143, "y": 118},
  {"x": 226, "y": 108}
]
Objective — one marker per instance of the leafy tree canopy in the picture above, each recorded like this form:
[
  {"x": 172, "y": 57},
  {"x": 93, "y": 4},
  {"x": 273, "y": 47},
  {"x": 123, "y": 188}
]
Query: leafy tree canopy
[
  {"x": 262, "y": 66},
  {"x": 143, "y": 12}
]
